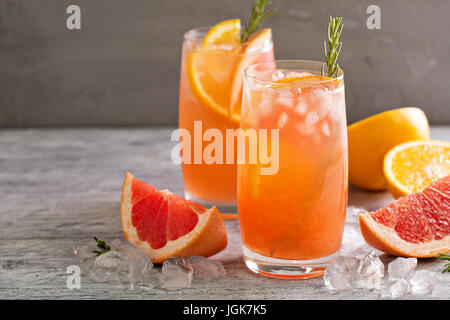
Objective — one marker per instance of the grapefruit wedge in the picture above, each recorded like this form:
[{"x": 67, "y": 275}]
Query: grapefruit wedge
[
  {"x": 416, "y": 225},
  {"x": 163, "y": 224}
]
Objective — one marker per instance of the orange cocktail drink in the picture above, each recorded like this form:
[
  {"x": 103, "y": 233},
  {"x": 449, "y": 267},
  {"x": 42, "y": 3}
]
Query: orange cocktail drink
[
  {"x": 210, "y": 97},
  {"x": 292, "y": 220}
]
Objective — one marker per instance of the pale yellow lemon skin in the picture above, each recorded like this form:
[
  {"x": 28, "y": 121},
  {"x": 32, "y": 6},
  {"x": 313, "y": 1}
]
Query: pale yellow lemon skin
[{"x": 370, "y": 139}]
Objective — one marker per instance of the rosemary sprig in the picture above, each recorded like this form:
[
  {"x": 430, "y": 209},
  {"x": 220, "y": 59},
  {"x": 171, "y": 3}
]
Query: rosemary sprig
[
  {"x": 259, "y": 13},
  {"x": 443, "y": 256},
  {"x": 103, "y": 247},
  {"x": 335, "y": 27}
]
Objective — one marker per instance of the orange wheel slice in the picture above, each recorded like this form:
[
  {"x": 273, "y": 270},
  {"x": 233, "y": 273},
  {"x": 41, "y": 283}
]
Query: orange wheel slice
[
  {"x": 410, "y": 167},
  {"x": 305, "y": 82},
  {"x": 163, "y": 224},
  {"x": 209, "y": 80},
  {"x": 416, "y": 225},
  {"x": 216, "y": 76}
]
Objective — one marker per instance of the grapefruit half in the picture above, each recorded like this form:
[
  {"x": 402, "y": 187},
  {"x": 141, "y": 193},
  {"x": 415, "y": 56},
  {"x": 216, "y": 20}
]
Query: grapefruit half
[
  {"x": 416, "y": 225},
  {"x": 163, "y": 224}
]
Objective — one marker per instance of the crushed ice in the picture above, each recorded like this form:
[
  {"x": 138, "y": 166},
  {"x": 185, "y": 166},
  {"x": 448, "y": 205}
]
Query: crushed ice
[
  {"x": 358, "y": 266},
  {"x": 124, "y": 263},
  {"x": 128, "y": 265}
]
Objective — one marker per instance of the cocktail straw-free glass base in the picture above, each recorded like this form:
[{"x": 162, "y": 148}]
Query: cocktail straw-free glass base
[{"x": 287, "y": 269}]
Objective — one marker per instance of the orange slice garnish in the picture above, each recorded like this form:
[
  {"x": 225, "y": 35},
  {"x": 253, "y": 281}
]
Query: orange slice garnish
[
  {"x": 216, "y": 75},
  {"x": 305, "y": 81}
]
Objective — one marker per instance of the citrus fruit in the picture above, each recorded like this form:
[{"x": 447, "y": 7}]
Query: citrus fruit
[
  {"x": 306, "y": 82},
  {"x": 163, "y": 224},
  {"x": 416, "y": 225},
  {"x": 412, "y": 166},
  {"x": 225, "y": 31},
  {"x": 215, "y": 72},
  {"x": 247, "y": 59},
  {"x": 370, "y": 139}
]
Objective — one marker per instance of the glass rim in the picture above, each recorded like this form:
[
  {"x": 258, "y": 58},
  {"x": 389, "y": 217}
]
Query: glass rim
[
  {"x": 249, "y": 74},
  {"x": 196, "y": 35}
]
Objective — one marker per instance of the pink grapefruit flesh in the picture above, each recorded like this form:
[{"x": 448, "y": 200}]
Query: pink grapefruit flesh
[
  {"x": 163, "y": 224},
  {"x": 416, "y": 225}
]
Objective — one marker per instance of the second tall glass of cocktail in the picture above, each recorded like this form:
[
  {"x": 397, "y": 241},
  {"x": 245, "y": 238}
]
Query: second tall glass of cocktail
[
  {"x": 210, "y": 98},
  {"x": 292, "y": 220}
]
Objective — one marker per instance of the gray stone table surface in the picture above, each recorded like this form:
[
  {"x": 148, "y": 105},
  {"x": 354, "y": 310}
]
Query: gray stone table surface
[{"x": 61, "y": 186}]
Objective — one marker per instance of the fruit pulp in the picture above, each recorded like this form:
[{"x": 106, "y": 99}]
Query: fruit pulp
[
  {"x": 299, "y": 212},
  {"x": 219, "y": 70}
]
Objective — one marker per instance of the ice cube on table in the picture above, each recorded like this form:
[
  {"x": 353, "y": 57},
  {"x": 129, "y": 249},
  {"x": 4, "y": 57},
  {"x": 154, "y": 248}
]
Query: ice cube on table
[
  {"x": 109, "y": 260},
  {"x": 400, "y": 288},
  {"x": 336, "y": 278},
  {"x": 370, "y": 271},
  {"x": 422, "y": 282},
  {"x": 176, "y": 273},
  {"x": 106, "y": 265},
  {"x": 87, "y": 265},
  {"x": 401, "y": 268},
  {"x": 353, "y": 243},
  {"x": 340, "y": 274},
  {"x": 115, "y": 243},
  {"x": 137, "y": 266},
  {"x": 206, "y": 269}
]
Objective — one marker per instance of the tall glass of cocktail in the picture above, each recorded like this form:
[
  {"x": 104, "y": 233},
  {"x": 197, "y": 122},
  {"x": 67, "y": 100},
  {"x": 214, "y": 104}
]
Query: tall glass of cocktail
[
  {"x": 292, "y": 219},
  {"x": 212, "y": 69}
]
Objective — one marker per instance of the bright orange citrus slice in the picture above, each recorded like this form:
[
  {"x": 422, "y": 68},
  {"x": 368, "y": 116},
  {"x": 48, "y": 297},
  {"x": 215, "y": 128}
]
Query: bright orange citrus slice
[
  {"x": 163, "y": 224},
  {"x": 306, "y": 81},
  {"x": 412, "y": 166},
  {"x": 370, "y": 139},
  {"x": 225, "y": 31},
  {"x": 210, "y": 71},
  {"x": 216, "y": 75},
  {"x": 247, "y": 60}
]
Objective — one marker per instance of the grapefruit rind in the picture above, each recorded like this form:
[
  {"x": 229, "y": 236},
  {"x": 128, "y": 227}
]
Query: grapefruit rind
[
  {"x": 207, "y": 238},
  {"x": 415, "y": 225},
  {"x": 385, "y": 239},
  {"x": 396, "y": 187}
]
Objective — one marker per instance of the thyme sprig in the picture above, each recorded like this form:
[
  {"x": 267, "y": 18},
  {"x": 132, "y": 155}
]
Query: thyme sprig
[
  {"x": 443, "y": 256},
  {"x": 332, "y": 46},
  {"x": 102, "y": 246},
  {"x": 259, "y": 13}
]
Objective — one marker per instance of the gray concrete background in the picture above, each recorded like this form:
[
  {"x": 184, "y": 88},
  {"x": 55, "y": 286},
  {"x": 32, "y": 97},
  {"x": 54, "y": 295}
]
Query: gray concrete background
[{"x": 122, "y": 68}]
